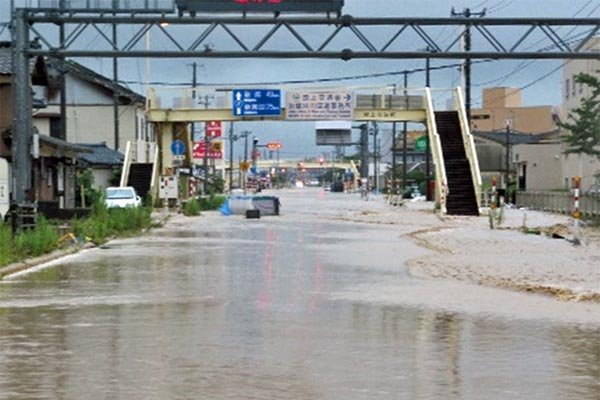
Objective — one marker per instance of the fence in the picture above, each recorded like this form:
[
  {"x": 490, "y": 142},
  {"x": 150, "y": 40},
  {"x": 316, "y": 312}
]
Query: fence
[{"x": 560, "y": 202}]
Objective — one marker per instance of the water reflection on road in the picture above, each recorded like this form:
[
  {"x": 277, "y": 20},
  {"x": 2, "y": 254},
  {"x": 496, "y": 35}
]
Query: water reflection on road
[{"x": 228, "y": 308}]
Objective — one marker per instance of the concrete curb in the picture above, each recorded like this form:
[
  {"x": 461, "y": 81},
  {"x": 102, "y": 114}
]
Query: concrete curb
[
  {"x": 57, "y": 254},
  {"x": 33, "y": 262}
]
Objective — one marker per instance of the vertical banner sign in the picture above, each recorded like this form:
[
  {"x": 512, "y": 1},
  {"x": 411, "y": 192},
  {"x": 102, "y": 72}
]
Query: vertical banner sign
[
  {"x": 214, "y": 129},
  {"x": 320, "y": 106}
]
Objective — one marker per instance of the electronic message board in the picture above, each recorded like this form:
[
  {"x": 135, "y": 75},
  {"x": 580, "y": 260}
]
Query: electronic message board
[{"x": 257, "y": 6}]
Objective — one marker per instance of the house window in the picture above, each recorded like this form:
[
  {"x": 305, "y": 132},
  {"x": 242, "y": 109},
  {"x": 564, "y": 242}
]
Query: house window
[
  {"x": 55, "y": 128},
  {"x": 567, "y": 88}
]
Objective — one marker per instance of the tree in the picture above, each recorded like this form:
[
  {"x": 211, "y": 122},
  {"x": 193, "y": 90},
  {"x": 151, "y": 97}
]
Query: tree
[{"x": 584, "y": 122}]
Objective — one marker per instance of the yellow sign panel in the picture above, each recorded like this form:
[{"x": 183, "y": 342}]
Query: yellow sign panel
[
  {"x": 244, "y": 166},
  {"x": 217, "y": 145}
]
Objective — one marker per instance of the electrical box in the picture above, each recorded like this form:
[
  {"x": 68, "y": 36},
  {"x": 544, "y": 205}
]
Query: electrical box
[{"x": 169, "y": 187}]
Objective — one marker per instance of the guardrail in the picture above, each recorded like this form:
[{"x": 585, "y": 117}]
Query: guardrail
[
  {"x": 441, "y": 186},
  {"x": 559, "y": 202},
  {"x": 469, "y": 145}
]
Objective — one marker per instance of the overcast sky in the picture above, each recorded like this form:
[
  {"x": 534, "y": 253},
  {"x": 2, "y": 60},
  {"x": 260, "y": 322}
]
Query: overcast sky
[{"x": 298, "y": 138}]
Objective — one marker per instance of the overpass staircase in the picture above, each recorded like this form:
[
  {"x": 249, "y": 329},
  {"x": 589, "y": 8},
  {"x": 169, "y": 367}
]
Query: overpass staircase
[
  {"x": 139, "y": 168},
  {"x": 458, "y": 178},
  {"x": 461, "y": 198}
]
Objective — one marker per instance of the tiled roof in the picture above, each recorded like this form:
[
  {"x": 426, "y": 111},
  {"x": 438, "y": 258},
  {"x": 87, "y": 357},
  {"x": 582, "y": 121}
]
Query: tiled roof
[
  {"x": 85, "y": 73},
  {"x": 5, "y": 61},
  {"x": 62, "y": 144},
  {"x": 101, "y": 155}
]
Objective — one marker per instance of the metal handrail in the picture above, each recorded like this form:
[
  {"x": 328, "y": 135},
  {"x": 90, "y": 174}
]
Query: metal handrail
[
  {"x": 469, "y": 145},
  {"x": 154, "y": 180},
  {"x": 441, "y": 186},
  {"x": 126, "y": 165}
]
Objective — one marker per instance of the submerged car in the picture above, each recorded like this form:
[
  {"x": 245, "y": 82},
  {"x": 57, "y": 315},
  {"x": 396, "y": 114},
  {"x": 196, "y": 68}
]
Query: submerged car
[{"x": 119, "y": 197}]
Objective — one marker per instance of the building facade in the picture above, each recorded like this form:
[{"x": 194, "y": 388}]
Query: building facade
[
  {"x": 90, "y": 110},
  {"x": 544, "y": 165},
  {"x": 503, "y": 105}
]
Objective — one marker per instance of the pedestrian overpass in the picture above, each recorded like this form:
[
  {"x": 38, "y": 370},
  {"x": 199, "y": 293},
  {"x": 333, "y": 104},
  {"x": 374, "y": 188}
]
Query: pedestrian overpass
[{"x": 457, "y": 175}]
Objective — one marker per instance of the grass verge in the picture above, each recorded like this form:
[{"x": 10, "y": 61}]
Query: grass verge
[{"x": 102, "y": 225}]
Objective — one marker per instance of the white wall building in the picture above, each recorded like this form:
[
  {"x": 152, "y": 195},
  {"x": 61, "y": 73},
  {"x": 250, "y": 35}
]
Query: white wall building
[
  {"x": 545, "y": 166},
  {"x": 573, "y": 93},
  {"x": 90, "y": 112}
]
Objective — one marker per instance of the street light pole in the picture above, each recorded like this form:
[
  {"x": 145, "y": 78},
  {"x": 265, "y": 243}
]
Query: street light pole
[
  {"x": 405, "y": 136},
  {"x": 507, "y": 159},
  {"x": 231, "y": 157}
]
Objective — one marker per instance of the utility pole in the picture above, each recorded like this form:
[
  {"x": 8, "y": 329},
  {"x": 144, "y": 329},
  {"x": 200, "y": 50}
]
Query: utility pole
[
  {"x": 467, "y": 13},
  {"x": 364, "y": 151},
  {"x": 206, "y": 145},
  {"x": 375, "y": 155},
  {"x": 22, "y": 136},
  {"x": 393, "y": 148},
  {"x": 245, "y": 136},
  {"x": 115, "y": 87},
  {"x": 194, "y": 85},
  {"x": 231, "y": 157},
  {"x": 63, "y": 87},
  {"x": 507, "y": 160},
  {"x": 405, "y": 136},
  {"x": 254, "y": 149}
]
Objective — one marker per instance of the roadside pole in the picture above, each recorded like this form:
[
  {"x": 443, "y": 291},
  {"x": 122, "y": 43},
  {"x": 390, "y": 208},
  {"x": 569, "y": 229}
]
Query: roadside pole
[{"x": 576, "y": 211}]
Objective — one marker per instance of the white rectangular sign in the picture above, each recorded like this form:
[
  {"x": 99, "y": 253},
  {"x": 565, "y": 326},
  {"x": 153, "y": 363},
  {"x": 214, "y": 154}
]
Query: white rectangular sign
[{"x": 318, "y": 106}]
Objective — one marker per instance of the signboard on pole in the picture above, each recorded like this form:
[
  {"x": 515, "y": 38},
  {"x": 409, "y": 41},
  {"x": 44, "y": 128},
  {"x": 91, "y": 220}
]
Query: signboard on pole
[
  {"x": 178, "y": 148},
  {"x": 421, "y": 143},
  {"x": 274, "y": 145},
  {"x": 319, "y": 106},
  {"x": 256, "y": 102},
  {"x": 214, "y": 129},
  {"x": 215, "y": 150}
]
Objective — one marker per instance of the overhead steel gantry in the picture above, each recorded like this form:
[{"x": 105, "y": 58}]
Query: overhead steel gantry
[{"x": 63, "y": 33}]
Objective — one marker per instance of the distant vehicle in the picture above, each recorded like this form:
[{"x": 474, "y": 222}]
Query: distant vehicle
[
  {"x": 313, "y": 183},
  {"x": 337, "y": 186},
  {"x": 120, "y": 197}
]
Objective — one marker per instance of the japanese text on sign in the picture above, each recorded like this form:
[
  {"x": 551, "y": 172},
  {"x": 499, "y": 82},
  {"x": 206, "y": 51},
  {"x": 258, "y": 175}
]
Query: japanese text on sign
[
  {"x": 315, "y": 106},
  {"x": 214, "y": 129},
  {"x": 256, "y": 102},
  {"x": 215, "y": 150}
]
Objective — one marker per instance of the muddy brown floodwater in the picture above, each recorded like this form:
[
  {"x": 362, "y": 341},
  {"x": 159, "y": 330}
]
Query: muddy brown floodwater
[{"x": 308, "y": 305}]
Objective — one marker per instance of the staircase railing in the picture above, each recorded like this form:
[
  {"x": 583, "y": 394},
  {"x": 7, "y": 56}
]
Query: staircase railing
[
  {"x": 441, "y": 182},
  {"x": 469, "y": 145},
  {"x": 154, "y": 181},
  {"x": 126, "y": 164}
]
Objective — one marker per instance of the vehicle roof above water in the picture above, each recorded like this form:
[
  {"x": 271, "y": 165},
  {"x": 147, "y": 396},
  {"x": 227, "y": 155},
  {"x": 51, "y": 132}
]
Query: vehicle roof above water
[{"x": 120, "y": 191}]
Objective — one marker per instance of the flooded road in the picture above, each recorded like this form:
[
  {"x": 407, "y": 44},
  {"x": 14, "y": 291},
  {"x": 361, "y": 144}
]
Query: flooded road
[{"x": 281, "y": 308}]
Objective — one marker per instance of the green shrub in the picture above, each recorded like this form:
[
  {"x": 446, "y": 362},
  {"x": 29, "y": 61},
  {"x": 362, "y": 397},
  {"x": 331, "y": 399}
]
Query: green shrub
[
  {"x": 191, "y": 208},
  {"x": 212, "y": 202},
  {"x": 41, "y": 240},
  {"x": 31, "y": 243},
  {"x": 104, "y": 223}
]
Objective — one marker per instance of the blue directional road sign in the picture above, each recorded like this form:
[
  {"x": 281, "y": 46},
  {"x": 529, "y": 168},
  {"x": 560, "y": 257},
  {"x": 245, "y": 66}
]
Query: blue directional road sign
[
  {"x": 256, "y": 102},
  {"x": 178, "y": 148}
]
